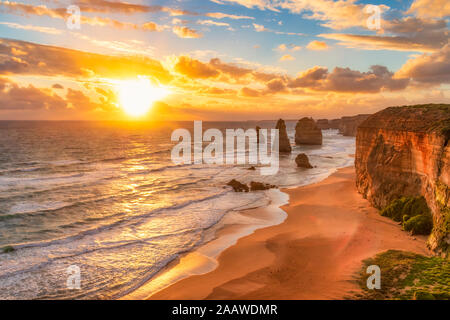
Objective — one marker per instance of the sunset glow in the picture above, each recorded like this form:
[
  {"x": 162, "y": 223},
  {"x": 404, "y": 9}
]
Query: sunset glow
[{"x": 136, "y": 97}]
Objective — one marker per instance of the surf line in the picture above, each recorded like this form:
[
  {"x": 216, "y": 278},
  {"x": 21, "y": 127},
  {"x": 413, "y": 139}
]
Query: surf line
[{"x": 213, "y": 153}]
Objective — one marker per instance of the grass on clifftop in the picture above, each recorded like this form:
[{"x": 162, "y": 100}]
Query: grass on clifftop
[
  {"x": 406, "y": 275},
  {"x": 413, "y": 212}
]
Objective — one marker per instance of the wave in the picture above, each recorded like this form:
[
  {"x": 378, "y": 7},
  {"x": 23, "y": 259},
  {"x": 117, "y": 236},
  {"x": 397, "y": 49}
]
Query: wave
[{"x": 131, "y": 221}]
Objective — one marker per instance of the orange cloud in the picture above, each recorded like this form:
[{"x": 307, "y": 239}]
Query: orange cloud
[
  {"x": 185, "y": 32},
  {"x": 220, "y": 15},
  {"x": 194, "y": 68},
  {"x": 409, "y": 34},
  {"x": 56, "y": 61},
  {"x": 428, "y": 68},
  {"x": 61, "y": 13},
  {"x": 13, "y": 97},
  {"x": 287, "y": 57},
  {"x": 347, "y": 80},
  {"x": 430, "y": 8},
  {"x": 317, "y": 45}
]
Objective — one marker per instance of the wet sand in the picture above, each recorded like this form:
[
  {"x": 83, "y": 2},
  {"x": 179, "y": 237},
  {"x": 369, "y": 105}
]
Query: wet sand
[{"x": 314, "y": 254}]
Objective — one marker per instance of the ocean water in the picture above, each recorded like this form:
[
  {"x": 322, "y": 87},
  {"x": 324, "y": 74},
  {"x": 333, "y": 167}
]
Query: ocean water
[{"x": 106, "y": 198}]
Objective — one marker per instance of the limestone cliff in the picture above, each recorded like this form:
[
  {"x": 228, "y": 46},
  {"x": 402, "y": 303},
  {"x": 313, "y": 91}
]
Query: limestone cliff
[
  {"x": 349, "y": 125},
  {"x": 405, "y": 151}
]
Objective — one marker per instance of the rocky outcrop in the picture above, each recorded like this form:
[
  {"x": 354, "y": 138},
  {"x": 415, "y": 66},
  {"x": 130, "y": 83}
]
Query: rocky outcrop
[
  {"x": 349, "y": 125},
  {"x": 284, "y": 143},
  {"x": 238, "y": 186},
  {"x": 256, "y": 186},
  {"x": 405, "y": 152},
  {"x": 302, "y": 161},
  {"x": 307, "y": 132}
]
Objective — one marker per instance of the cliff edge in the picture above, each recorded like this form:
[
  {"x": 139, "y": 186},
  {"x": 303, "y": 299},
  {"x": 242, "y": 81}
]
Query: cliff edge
[{"x": 404, "y": 152}]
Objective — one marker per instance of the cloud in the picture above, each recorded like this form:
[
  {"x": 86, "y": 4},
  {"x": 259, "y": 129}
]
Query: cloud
[
  {"x": 194, "y": 68},
  {"x": 249, "y": 92},
  {"x": 105, "y": 6},
  {"x": 317, "y": 45},
  {"x": 309, "y": 78},
  {"x": 32, "y": 28},
  {"x": 428, "y": 68},
  {"x": 336, "y": 15},
  {"x": 14, "y": 97},
  {"x": 61, "y": 13},
  {"x": 259, "y": 27},
  {"x": 276, "y": 85},
  {"x": 213, "y": 23},
  {"x": 284, "y": 47},
  {"x": 346, "y": 80},
  {"x": 261, "y": 4},
  {"x": 287, "y": 57},
  {"x": 56, "y": 61},
  {"x": 185, "y": 32},
  {"x": 407, "y": 34},
  {"x": 57, "y": 86},
  {"x": 220, "y": 15},
  {"x": 430, "y": 8}
]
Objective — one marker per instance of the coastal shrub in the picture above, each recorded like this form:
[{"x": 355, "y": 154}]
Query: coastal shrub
[
  {"x": 412, "y": 212},
  {"x": 420, "y": 224},
  {"x": 405, "y": 276},
  {"x": 394, "y": 210}
]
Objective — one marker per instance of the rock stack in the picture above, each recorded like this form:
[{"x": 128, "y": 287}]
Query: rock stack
[
  {"x": 302, "y": 161},
  {"x": 284, "y": 143},
  {"x": 307, "y": 132}
]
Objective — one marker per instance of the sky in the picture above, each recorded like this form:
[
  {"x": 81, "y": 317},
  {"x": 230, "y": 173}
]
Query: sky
[{"x": 220, "y": 59}]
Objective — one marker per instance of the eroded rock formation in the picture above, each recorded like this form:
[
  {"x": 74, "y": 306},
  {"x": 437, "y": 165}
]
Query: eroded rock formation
[
  {"x": 256, "y": 186},
  {"x": 302, "y": 161},
  {"x": 284, "y": 143},
  {"x": 238, "y": 186},
  {"x": 307, "y": 132},
  {"x": 405, "y": 151}
]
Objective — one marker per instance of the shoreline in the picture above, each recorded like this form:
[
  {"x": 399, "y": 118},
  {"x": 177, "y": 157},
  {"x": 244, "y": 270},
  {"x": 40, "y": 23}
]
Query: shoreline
[
  {"x": 314, "y": 253},
  {"x": 235, "y": 225}
]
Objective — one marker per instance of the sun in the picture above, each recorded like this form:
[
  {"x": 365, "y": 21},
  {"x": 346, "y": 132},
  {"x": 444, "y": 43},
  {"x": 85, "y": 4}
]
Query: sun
[{"x": 138, "y": 95}]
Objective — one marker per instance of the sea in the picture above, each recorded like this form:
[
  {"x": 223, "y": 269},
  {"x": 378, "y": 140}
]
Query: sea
[{"x": 106, "y": 199}]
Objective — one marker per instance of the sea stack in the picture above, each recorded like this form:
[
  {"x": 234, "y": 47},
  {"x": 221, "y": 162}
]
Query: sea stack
[
  {"x": 307, "y": 132},
  {"x": 284, "y": 143},
  {"x": 405, "y": 152},
  {"x": 257, "y": 133},
  {"x": 302, "y": 161}
]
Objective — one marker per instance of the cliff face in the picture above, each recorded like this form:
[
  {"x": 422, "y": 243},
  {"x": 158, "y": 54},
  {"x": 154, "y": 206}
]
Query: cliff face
[
  {"x": 405, "y": 151},
  {"x": 323, "y": 124},
  {"x": 349, "y": 125},
  {"x": 307, "y": 132}
]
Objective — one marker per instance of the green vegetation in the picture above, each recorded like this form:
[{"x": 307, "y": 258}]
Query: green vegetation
[
  {"x": 413, "y": 212},
  {"x": 7, "y": 249},
  {"x": 406, "y": 275},
  {"x": 421, "y": 224},
  {"x": 442, "y": 227}
]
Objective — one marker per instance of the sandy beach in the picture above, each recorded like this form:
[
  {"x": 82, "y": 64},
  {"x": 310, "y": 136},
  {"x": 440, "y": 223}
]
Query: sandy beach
[{"x": 314, "y": 254}]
